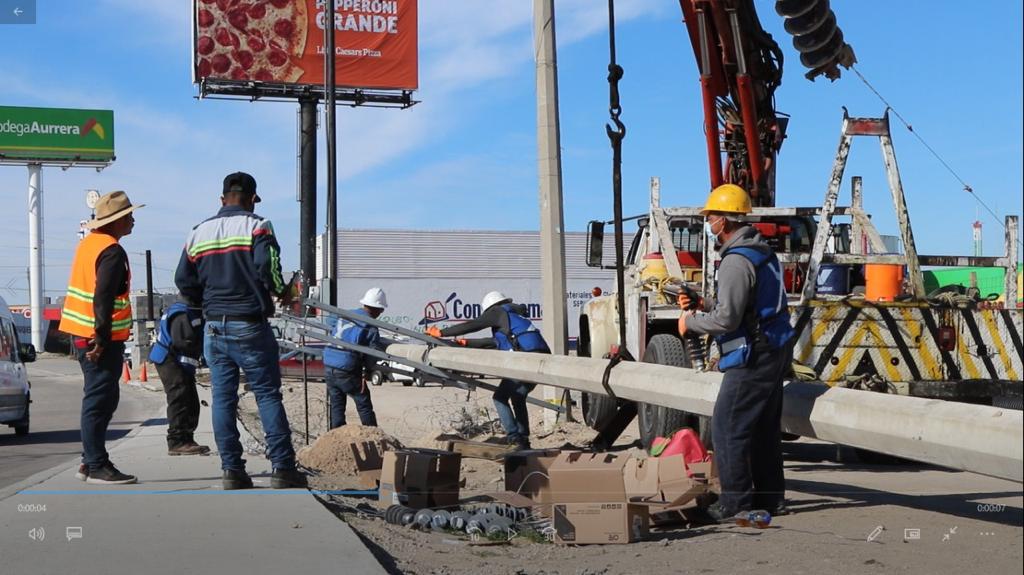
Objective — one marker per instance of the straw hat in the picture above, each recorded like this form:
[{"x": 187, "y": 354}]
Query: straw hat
[{"x": 110, "y": 208}]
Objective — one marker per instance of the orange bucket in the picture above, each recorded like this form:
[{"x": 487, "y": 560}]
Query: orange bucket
[{"x": 883, "y": 282}]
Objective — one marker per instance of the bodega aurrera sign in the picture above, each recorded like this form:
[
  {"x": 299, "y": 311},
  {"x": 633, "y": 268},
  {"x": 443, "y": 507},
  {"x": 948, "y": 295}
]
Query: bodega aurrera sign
[{"x": 56, "y": 134}]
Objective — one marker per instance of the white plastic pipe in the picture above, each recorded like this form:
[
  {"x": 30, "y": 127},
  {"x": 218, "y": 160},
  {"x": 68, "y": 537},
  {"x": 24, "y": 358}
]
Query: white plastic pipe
[{"x": 975, "y": 438}]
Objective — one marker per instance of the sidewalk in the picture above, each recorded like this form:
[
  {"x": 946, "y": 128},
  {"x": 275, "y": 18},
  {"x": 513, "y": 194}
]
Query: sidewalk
[{"x": 175, "y": 520}]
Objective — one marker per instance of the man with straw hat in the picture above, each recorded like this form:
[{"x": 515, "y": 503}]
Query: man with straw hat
[{"x": 97, "y": 314}]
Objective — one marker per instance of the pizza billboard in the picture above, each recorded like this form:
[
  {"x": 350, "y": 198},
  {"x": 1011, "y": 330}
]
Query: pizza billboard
[
  {"x": 56, "y": 134},
  {"x": 282, "y": 42}
]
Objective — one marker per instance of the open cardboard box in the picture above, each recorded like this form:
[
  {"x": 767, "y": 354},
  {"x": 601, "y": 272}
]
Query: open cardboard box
[
  {"x": 527, "y": 473},
  {"x": 665, "y": 487},
  {"x": 589, "y": 500},
  {"x": 369, "y": 462},
  {"x": 420, "y": 478}
]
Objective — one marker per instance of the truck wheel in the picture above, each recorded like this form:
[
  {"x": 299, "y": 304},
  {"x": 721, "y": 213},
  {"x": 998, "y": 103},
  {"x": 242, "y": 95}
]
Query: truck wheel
[
  {"x": 657, "y": 420},
  {"x": 376, "y": 378},
  {"x": 597, "y": 409}
]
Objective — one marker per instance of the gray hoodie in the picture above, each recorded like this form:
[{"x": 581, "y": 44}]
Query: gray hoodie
[{"x": 737, "y": 278}]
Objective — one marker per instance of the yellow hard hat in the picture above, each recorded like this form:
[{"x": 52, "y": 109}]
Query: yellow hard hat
[{"x": 727, "y": 199}]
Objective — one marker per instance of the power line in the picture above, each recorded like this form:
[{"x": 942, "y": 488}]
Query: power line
[{"x": 945, "y": 164}]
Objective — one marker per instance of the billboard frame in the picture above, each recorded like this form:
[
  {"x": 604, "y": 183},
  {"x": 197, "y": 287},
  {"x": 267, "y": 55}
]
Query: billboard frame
[{"x": 274, "y": 92}]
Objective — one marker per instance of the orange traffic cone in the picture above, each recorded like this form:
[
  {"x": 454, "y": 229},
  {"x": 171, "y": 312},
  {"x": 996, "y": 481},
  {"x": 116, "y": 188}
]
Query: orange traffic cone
[
  {"x": 142, "y": 375},
  {"x": 126, "y": 376}
]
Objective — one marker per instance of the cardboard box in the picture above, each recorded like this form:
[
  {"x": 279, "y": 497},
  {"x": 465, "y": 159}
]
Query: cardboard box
[
  {"x": 590, "y": 504},
  {"x": 579, "y": 523},
  {"x": 369, "y": 462},
  {"x": 420, "y": 478},
  {"x": 527, "y": 473},
  {"x": 641, "y": 477}
]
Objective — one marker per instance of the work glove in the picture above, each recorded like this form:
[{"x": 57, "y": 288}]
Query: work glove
[
  {"x": 682, "y": 322},
  {"x": 433, "y": 331},
  {"x": 687, "y": 303}
]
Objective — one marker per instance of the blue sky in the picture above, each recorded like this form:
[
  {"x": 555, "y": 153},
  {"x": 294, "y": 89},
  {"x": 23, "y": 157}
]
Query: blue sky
[{"x": 465, "y": 158}]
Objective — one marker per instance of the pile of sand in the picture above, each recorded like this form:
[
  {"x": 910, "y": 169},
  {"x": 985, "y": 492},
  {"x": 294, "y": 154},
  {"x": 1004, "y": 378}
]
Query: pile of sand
[{"x": 331, "y": 454}]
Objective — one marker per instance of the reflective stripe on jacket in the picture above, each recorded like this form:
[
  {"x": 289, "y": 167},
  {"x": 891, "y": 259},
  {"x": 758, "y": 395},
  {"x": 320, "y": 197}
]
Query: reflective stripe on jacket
[{"x": 78, "y": 315}]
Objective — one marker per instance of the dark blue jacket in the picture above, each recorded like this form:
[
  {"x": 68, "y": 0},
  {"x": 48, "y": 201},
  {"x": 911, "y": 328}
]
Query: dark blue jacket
[
  {"x": 352, "y": 332},
  {"x": 232, "y": 264}
]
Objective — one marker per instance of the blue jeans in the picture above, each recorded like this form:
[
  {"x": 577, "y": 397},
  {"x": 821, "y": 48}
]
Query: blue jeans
[
  {"x": 510, "y": 403},
  {"x": 344, "y": 384},
  {"x": 251, "y": 347},
  {"x": 102, "y": 393},
  {"x": 747, "y": 431}
]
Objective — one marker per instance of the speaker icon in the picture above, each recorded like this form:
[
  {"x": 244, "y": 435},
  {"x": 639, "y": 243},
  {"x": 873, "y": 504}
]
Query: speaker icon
[{"x": 37, "y": 534}]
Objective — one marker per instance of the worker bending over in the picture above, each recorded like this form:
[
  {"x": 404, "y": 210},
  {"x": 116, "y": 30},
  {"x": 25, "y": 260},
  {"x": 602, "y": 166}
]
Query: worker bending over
[{"x": 511, "y": 331}]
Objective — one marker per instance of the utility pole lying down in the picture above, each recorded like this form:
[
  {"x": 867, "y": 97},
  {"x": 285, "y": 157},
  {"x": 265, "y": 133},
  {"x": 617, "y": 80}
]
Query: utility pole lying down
[{"x": 976, "y": 438}]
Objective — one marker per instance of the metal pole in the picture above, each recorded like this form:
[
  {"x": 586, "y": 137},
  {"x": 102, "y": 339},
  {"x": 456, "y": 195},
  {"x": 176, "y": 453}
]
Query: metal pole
[
  {"x": 149, "y": 285},
  {"x": 332, "y": 157},
  {"x": 549, "y": 170},
  {"x": 307, "y": 192},
  {"x": 35, "y": 253}
]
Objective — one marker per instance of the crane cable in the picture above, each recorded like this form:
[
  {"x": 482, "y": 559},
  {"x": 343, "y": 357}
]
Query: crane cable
[
  {"x": 945, "y": 164},
  {"x": 616, "y": 131}
]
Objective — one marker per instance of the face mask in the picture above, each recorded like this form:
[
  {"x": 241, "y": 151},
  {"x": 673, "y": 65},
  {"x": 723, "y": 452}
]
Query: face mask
[{"x": 711, "y": 235}]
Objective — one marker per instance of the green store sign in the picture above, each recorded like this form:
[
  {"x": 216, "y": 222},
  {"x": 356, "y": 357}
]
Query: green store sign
[{"x": 56, "y": 134}]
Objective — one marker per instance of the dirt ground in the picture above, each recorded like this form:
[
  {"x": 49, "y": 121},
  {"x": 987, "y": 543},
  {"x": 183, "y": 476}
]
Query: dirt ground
[{"x": 963, "y": 522}]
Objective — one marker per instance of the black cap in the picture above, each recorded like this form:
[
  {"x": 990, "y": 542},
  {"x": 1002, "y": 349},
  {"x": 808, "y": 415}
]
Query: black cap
[{"x": 241, "y": 182}]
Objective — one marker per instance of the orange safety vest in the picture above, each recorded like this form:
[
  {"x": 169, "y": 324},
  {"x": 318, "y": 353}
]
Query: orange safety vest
[{"x": 78, "y": 317}]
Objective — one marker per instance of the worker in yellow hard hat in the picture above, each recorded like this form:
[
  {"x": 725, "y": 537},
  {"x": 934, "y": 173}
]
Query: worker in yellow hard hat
[{"x": 749, "y": 320}]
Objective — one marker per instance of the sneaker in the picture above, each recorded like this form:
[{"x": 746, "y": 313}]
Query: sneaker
[
  {"x": 236, "y": 479},
  {"x": 191, "y": 448},
  {"x": 288, "y": 479},
  {"x": 109, "y": 475},
  {"x": 83, "y": 472}
]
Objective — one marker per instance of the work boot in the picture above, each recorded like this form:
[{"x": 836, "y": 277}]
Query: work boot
[
  {"x": 522, "y": 444},
  {"x": 109, "y": 475},
  {"x": 288, "y": 479},
  {"x": 83, "y": 472},
  {"x": 720, "y": 514},
  {"x": 236, "y": 479},
  {"x": 190, "y": 448}
]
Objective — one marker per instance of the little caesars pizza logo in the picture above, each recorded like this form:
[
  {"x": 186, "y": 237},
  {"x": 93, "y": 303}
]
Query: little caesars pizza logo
[{"x": 91, "y": 126}]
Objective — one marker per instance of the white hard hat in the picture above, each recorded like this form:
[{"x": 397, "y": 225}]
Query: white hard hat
[
  {"x": 375, "y": 298},
  {"x": 494, "y": 298}
]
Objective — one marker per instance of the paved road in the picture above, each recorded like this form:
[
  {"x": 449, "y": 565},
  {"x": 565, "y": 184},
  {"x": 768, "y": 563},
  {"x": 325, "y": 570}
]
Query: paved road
[{"x": 54, "y": 437}]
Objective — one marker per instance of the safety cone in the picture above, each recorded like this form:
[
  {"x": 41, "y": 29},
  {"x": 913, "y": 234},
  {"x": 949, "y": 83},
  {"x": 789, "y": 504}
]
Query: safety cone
[
  {"x": 126, "y": 376},
  {"x": 142, "y": 374}
]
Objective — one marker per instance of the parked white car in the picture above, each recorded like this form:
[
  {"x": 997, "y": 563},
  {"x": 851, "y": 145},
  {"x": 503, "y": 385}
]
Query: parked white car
[{"x": 15, "y": 390}]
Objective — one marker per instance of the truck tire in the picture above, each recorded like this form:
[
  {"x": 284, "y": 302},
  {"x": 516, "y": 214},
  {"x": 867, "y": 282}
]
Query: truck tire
[
  {"x": 597, "y": 409},
  {"x": 21, "y": 427},
  {"x": 377, "y": 378},
  {"x": 657, "y": 420}
]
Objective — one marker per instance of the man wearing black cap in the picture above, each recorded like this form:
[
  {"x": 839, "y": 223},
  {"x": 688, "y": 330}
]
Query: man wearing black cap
[{"x": 232, "y": 264}]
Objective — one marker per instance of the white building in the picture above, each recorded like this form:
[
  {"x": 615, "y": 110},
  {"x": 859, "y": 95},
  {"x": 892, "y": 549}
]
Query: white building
[{"x": 439, "y": 277}]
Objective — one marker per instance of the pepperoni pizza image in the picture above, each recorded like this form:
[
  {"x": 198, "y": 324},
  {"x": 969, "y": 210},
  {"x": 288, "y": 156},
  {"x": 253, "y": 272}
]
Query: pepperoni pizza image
[{"x": 258, "y": 40}]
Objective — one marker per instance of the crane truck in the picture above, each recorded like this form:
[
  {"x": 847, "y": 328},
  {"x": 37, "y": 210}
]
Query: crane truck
[{"x": 948, "y": 345}]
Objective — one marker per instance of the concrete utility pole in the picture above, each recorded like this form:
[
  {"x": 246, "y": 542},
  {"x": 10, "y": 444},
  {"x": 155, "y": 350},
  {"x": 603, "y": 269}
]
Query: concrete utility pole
[
  {"x": 36, "y": 279},
  {"x": 549, "y": 170}
]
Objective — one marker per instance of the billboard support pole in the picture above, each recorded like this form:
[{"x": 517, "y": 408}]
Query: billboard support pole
[
  {"x": 35, "y": 253},
  {"x": 332, "y": 156},
  {"x": 307, "y": 192}
]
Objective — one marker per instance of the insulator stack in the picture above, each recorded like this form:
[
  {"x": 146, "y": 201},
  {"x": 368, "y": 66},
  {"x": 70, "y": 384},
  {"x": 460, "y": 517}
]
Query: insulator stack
[{"x": 812, "y": 23}]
